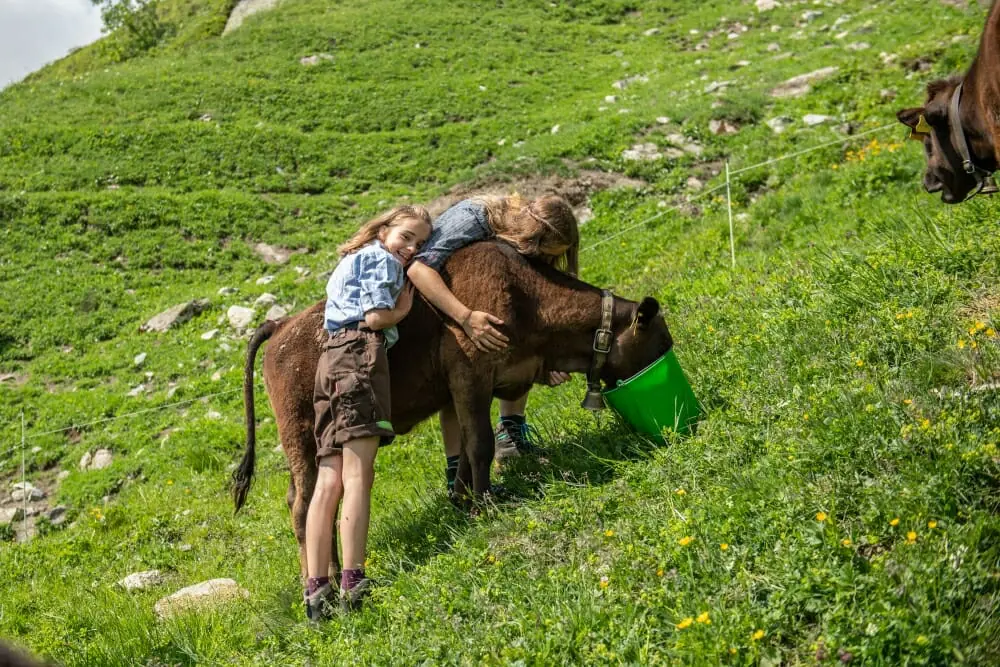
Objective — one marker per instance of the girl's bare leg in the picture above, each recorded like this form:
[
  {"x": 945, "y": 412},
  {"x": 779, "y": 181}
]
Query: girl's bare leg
[
  {"x": 322, "y": 512},
  {"x": 358, "y": 475}
]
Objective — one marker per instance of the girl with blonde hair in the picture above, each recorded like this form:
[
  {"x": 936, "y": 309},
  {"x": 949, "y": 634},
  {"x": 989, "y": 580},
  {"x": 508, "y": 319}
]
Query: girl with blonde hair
[
  {"x": 366, "y": 297},
  {"x": 544, "y": 228}
]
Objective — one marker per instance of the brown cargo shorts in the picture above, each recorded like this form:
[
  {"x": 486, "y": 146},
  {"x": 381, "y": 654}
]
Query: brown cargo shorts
[{"x": 351, "y": 395}]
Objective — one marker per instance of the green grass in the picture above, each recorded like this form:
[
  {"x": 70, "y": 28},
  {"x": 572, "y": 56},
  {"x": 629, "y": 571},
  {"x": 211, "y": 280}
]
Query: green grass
[{"x": 845, "y": 363}]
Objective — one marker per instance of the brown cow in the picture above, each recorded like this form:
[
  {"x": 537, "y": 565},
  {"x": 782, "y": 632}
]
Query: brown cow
[
  {"x": 550, "y": 317},
  {"x": 961, "y": 132}
]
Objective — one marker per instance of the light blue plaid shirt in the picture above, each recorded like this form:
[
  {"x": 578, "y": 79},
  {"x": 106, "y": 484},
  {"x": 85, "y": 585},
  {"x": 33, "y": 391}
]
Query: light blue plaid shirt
[{"x": 369, "y": 279}]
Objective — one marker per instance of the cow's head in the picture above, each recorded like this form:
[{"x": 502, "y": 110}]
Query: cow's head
[
  {"x": 929, "y": 124},
  {"x": 639, "y": 344}
]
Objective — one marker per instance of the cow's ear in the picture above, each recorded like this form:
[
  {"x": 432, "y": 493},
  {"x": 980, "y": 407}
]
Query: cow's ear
[
  {"x": 647, "y": 310},
  {"x": 915, "y": 120}
]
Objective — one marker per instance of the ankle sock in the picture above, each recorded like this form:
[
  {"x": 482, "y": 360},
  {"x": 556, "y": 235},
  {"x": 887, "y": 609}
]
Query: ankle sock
[
  {"x": 514, "y": 419},
  {"x": 350, "y": 578},
  {"x": 451, "y": 471},
  {"x": 313, "y": 584}
]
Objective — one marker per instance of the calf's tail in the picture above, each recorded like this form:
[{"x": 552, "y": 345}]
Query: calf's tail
[{"x": 243, "y": 475}]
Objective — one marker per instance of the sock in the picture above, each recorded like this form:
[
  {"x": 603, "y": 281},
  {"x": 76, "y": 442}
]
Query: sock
[
  {"x": 451, "y": 471},
  {"x": 515, "y": 419},
  {"x": 350, "y": 578},
  {"x": 316, "y": 583}
]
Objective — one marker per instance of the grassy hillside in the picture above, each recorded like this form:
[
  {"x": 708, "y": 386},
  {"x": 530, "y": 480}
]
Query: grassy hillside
[{"x": 839, "y": 501}]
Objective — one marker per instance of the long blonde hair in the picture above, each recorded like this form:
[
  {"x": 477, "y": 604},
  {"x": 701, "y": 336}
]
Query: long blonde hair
[
  {"x": 371, "y": 229},
  {"x": 532, "y": 226}
]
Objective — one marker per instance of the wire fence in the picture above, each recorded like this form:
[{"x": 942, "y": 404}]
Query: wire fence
[{"x": 725, "y": 185}]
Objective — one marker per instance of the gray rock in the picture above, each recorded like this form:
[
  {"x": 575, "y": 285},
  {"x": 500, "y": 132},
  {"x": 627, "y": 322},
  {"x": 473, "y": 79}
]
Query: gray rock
[
  {"x": 245, "y": 8},
  {"x": 651, "y": 32},
  {"x": 315, "y": 59},
  {"x": 695, "y": 183},
  {"x": 57, "y": 515},
  {"x": 718, "y": 86},
  {"x": 240, "y": 317},
  {"x": 136, "y": 391},
  {"x": 662, "y": 120},
  {"x": 800, "y": 85},
  {"x": 265, "y": 280},
  {"x": 645, "y": 152},
  {"x": 226, "y": 291},
  {"x": 274, "y": 254},
  {"x": 30, "y": 494},
  {"x": 264, "y": 300},
  {"x": 774, "y": 47},
  {"x": 275, "y": 313},
  {"x": 138, "y": 581},
  {"x": 779, "y": 124},
  {"x": 63, "y": 474},
  {"x": 9, "y": 515},
  {"x": 177, "y": 315},
  {"x": 209, "y": 335},
  {"x": 813, "y": 119},
  {"x": 200, "y": 596},
  {"x": 628, "y": 81},
  {"x": 85, "y": 461},
  {"x": 213, "y": 414},
  {"x": 765, "y": 5},
  {"x": 858, "y": 46},
  {"x": 139, "y": 359},
  {"x": 102, "y": 459},
  {"x": 811, "y": 15},
  {"x": 610, "y": 99},
  {"x": 722, "y": 127}
]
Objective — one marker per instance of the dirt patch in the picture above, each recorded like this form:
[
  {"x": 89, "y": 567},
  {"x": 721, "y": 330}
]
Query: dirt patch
[{"x": 577, "y": 189}]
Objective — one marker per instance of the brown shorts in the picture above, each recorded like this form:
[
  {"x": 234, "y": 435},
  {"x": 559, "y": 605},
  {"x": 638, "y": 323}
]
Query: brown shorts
[{"x": 351, "y": 395}]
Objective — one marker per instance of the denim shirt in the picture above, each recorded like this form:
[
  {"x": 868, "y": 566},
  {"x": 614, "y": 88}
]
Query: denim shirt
[
  {"x": 460, "y": 225},
  {"x": 368, "y": 279}
]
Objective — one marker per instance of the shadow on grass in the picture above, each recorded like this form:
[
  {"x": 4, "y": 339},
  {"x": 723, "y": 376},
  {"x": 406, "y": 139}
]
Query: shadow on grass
[{"x": 429, "y": 525}]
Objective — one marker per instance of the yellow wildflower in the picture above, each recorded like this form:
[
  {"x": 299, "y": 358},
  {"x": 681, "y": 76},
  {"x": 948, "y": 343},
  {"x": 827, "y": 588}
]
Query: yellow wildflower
[
  {"x": 961, "y": 344},
  {"x": 805, "y": 416},
  {"x": 932, "y": 524},
  {"x": 609, "y": 533},
  {"x": 605, "y": 581},
  {"x": 686, "y": 540},
  {"x": 974, "y": 344},
  {"x": 907, "y": 401},
  {"x": 894, "y": 522},
  {"x": 724, "y": 546},
  {"x": 659, "y": 572},
  {"x": 921, "y": 639},
  {"x": 859, "y": 363},
  {"x": 991, "y": 333},
  {"x": 685, "y": 623},
  {"x": 925, "y": 424},
  {"x": 846, "y": 542},
  {"x": 681, "y": 492},
  {"x": 170, "y": 482},
  {"x": 980, "y": 326},
  {"x": 821, "y": 516},
  {"x": 911, "y": 537},
  {"x": 757, "y": 635},
  {"x": 703, "y": 618},
  {"x": 732, "y": 650}
]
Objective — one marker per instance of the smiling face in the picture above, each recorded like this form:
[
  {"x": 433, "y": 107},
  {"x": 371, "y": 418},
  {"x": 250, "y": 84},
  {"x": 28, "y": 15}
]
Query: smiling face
[
  {"x": 930, "y": 125},
  {"x": 404, "y": 237}
]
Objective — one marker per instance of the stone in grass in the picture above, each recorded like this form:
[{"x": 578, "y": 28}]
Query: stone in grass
[
  {"x": 179, "y": 314},
  {"x": 264, "y": 300},
  {"x": 207, "y": 594},
  {"x": 30, "y": 494},
  {"x": 139, "y": 359},
  {"x": 138, "y": 581},
  {"x": 102, "y": 459},
  {"x": 275, "y": 313},
  {"x": 239, "y": 317},
  {"x": 800, "y": 85},
  {"x": 813, "y": 119},
  {"x": 209, "y": 335},
  {"x": 57, "y": 515},
  {"x": 9, "y": 515}
]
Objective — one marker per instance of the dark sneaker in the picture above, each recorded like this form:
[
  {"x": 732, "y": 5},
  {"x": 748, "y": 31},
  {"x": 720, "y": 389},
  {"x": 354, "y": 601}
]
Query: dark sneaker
[
  {"x": 322, "y": 604},
  {"x": 351, "y": 600},
  {"x": 512, "y": 439}
]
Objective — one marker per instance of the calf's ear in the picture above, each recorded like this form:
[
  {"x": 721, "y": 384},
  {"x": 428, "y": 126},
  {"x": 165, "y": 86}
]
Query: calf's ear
[{"x": 647, "y": 310}]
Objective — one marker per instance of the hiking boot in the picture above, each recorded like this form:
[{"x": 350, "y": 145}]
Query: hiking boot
[
  {"x": 350, "y": 600},
  {"x": 321, "y": 605},
  {"x": 512, "y": 439}
]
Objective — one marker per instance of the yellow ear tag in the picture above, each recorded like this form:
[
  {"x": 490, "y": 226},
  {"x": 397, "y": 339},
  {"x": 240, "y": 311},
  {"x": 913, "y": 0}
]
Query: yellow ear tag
[{"x": 922, "y": 125}]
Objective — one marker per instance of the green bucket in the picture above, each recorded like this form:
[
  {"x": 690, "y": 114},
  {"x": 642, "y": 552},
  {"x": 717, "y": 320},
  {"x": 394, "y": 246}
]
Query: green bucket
[{"x": 655, "y": 398}]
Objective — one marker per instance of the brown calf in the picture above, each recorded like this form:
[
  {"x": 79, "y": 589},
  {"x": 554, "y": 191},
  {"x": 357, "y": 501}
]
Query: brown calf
[
  {"x": 550, "y": 319},
  {"x": 961, "y": 133}
]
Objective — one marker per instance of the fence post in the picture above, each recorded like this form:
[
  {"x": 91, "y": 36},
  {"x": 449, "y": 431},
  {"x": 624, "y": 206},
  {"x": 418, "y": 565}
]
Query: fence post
[{"x": 729, "y": 205}]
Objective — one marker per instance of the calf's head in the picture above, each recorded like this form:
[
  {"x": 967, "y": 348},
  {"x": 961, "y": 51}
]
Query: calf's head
[
  {"x": 930, "y": 124},
  {"x": 641, "y": 343}
]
